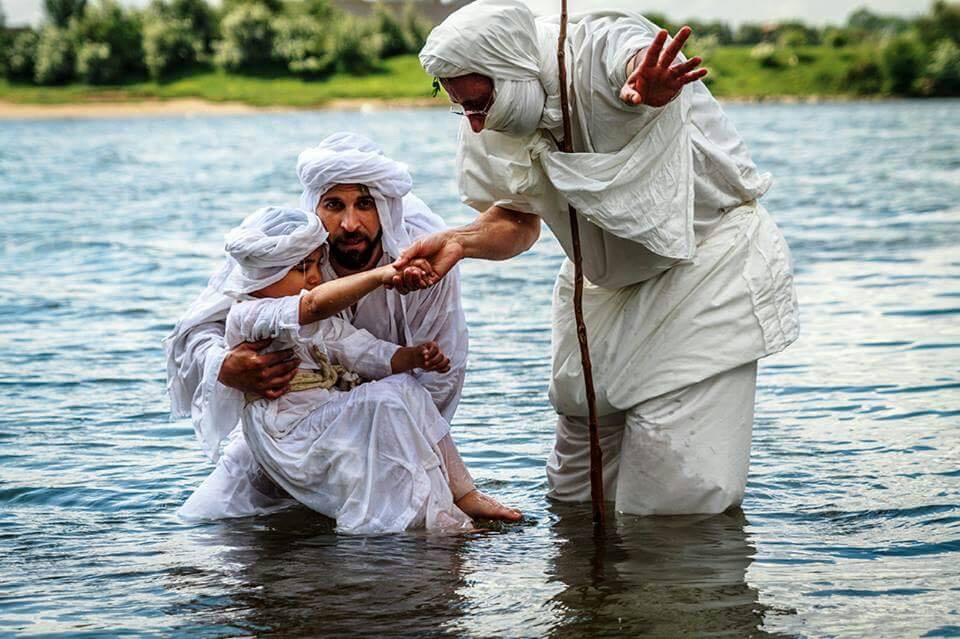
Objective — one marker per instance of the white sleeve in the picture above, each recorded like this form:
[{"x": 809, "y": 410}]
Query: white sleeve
[
  {"x": 265, "y": 318},
  {"x": 216, "y": 408},
  {"x": 494, "y": 169},
  {"x": 623, "y": 39},
  {"x": 436, "y": 314},
  {"x": 357, "y": 349},
  {"x": 213, "y": 407}
]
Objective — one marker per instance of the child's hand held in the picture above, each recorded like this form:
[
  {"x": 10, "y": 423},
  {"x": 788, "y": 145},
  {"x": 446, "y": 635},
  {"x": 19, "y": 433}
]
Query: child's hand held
[{"x": 433, "y": 359}]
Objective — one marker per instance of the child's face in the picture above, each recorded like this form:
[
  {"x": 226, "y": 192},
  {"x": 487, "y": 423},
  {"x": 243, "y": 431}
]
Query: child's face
[{"x": 304, "y": 275}]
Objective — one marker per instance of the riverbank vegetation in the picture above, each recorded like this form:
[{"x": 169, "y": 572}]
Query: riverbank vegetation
[{"x": 308, "y": 52}]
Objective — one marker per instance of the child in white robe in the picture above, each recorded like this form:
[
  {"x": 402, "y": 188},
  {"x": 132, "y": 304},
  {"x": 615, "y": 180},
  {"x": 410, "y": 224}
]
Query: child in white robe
[{"x": 367, "y": 457}]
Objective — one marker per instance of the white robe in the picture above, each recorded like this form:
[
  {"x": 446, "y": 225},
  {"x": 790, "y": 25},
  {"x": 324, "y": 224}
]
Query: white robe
[
  {"x": 688, "y": 278},
  {"x": 366, "y": 457},
  {"x": 687, "y": 275},
  {"x": 236, "y": 487}
]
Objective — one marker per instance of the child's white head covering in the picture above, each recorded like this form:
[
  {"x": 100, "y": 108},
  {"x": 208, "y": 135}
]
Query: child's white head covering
[
  {"x": 349, "y": 158},
  {"x": 267, "y": 244}
]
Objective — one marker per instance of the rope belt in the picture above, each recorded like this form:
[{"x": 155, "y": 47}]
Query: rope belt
[{"x": 327, "y": 375}]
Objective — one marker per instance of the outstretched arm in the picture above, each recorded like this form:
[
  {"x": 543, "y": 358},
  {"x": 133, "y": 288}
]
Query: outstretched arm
[
  {"x": 496, "y": 234},
  {"x": 333, "y": 296}
]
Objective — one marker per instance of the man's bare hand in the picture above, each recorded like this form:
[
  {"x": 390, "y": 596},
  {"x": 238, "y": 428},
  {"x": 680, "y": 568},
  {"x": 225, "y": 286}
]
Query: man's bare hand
[
  {"x": 657, "y": 80},
  {"x": 439, "y": 252},
  {"x": 267, "y": 374}
]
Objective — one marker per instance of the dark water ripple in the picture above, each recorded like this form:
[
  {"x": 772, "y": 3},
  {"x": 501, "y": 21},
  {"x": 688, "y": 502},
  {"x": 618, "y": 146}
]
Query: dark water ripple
[{"x": 851, "y": 524}]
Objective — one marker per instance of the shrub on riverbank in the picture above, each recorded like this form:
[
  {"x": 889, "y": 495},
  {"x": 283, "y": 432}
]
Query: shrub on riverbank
[{"x": 106, "y": 43}]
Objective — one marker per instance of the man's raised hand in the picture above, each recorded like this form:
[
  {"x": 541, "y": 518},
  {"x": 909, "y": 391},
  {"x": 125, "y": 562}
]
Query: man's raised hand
[
  {"x": 657, "y": 80},
  {"x": 267, "y": 374}
]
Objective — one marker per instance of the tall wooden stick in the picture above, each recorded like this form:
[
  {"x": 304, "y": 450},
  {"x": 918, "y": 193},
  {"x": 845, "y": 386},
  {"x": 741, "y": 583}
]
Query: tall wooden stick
[{"x": 596, "y": 455}]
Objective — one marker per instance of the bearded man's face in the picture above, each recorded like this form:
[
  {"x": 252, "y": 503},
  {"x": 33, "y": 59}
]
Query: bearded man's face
[{"x": 349, "y": 213}]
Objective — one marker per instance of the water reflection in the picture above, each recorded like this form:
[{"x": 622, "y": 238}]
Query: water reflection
[
  {"x": 661, "y": 576},
  {"x": 289, "y": 575},
  {"x": 854, "y": 493}
]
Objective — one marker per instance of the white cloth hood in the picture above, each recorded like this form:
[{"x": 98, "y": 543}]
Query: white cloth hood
[
  {"x": 349, "y": 158},
  {"x": 496, "y": 38},
  {"x": 502, "y": 40},
  {"x": 267, "y": 244}
]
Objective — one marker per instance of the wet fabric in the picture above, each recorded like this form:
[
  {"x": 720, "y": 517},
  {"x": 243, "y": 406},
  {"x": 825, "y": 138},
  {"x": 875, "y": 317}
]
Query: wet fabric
[
  {"x": 366, "y": 457},
  {"x": 662, "y": 194},
  {"x": 686, "y": 275},
  {"x": 732, "y": 304},
  {"x": 684, "y": 452},
  {"x": 196, "y": 348}
]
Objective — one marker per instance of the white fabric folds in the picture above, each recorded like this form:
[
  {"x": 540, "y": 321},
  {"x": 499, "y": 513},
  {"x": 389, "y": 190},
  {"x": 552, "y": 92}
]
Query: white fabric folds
[
  {"x": 641, "y": 192},
  {"x": 267, "y": 244},
  {"x": 687, "y": 274}
]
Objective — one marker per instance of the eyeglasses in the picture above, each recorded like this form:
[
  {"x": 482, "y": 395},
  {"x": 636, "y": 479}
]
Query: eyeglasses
[{"x": 458, "y": 109}]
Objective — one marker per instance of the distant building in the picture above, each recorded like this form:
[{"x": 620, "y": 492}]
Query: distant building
[{"x": 433, "y": 10}]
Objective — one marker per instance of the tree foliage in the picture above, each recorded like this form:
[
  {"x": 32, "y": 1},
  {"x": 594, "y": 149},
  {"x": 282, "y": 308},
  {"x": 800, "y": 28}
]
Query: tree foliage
[
  {"x": 247, "y": 38},
  {"x": 170, "y": 43},
  {"x": 22, "y": 57},
  {"x": 356, "y": 46},
  {"x": 102, "y": 41},
  {"x": 59, "y": 12},
  {"x": 900, "y": 61},
  {"x": 942, "y": 74},
  {"x": 108, "y": 39},
  {"x": 304, "y": 44},
  {"x": 54, "y": 57}
]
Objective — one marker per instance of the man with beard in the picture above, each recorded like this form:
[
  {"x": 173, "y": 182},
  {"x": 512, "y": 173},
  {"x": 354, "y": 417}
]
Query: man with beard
[{"x": 367, "y": 228}]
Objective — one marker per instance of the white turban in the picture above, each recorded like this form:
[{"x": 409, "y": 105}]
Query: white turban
[
  {"x": 502, "y": 40},
  {"x": 349, "y": 158},
  {"x": 267, "y": 245}
]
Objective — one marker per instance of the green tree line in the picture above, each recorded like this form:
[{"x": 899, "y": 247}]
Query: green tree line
[
  {"x": 104, "y": 42},
  {"x": 100, "y": 42},
  {"x": 894, "y": 55}
]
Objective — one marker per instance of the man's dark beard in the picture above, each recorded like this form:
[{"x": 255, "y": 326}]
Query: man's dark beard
[{"x": 355, "y": 259}]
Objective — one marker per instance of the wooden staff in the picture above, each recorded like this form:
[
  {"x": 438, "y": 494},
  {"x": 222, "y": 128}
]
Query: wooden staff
[{"x": 596, "y": 455}]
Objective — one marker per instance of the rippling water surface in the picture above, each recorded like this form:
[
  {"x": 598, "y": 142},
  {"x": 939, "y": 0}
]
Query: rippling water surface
[{"x": 851, "y": 523}]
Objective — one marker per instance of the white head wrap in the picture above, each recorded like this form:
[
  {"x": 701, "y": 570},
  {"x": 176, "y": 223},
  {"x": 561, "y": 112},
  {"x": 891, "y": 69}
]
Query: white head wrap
[
  {"x": 502, "y": 40},
  {"x": 349, "y": 158},
  {"x": 288, "y": 235},
  {"x": 267, "y": 245}
]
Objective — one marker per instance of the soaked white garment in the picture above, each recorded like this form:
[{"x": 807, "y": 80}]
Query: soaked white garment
[
  {"x": 195, "y": 348},
  {"x": 366, "y": 457},
  {"x": 688, "y": 449},
  {"x": 235, "y": 486},
  {"x": 687, "y": 275}
]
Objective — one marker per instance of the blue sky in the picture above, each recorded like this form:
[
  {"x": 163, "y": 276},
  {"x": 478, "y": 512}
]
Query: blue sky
[{"x": 732, "y": 11}]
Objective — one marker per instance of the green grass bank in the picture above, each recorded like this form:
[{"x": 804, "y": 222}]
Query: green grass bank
[{"x": 735, "y": 72}]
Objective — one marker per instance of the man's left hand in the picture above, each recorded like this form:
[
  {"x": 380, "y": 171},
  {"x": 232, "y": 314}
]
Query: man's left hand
[{"x": 655, "y": 81}]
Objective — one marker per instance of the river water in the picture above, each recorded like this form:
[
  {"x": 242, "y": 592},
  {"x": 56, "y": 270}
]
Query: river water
[{"x": 851, "y": 522}]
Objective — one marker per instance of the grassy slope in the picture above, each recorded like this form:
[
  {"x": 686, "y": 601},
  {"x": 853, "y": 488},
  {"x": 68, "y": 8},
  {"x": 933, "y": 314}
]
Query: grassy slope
[
  {"x": 401, "y": 77},
  {"x": 816, "y": 71}
]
